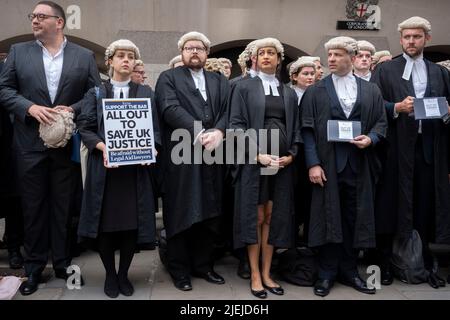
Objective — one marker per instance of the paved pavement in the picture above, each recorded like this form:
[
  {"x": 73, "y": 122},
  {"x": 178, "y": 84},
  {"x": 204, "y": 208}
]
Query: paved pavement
[{"x": 152, "y": 282}]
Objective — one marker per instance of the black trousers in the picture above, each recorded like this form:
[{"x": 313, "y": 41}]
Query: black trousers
[
  {"x": 424, "y": 203},
  {"x": 341, "y": 258},
  {"x": 423, "y": 208},
  {"x": 45, "y": 186},
  {"x": 192, "y": 250}
]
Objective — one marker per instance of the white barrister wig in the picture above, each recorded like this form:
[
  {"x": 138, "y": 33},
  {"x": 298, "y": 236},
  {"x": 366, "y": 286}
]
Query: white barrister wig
[
  {"x": 57, "y": 134},
  {"x": 249, "y": 49},
  {"x": 346, "y": 43},
  {"x": 242, "y": 59},
  {"x": 246, "y": 55},
  {"x": 301, "y": 63},
  {"x": 445, "y": 64},
  {"x": 364, "y": 45},
  {"x": 415, "y": 23},
  {"x": 174, "y": 61},
  {"x": 313, "y": 59},
  {"x": 268, "y": 42},
  {"x": 194, "y": 35},
  {"x": 383, "y": 53},
  {"x": 122, "y": 44},
  {"x": 139, "y": 63},
  {"x": 225, "y": 60}
]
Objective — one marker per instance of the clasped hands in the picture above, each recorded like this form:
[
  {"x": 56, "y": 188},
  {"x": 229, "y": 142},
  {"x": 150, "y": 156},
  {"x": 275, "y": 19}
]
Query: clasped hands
[
  {"x": 211, "y": 139},
  {"x": 272, "y": 161}
]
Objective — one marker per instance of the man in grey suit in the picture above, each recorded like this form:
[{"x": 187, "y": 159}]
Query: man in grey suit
[{"x": 39, "y": 79}]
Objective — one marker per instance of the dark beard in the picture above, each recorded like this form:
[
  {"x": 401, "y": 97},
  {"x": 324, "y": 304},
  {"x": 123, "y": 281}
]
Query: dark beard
[
  {"x": 195, "y": 65},
  {"x": 418, "y": 53}
]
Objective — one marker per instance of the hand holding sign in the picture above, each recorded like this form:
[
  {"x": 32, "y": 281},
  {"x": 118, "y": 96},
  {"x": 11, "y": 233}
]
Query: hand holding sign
[
  {"x": 102, "y": 147},
  {"x": 405, "y": 106}
]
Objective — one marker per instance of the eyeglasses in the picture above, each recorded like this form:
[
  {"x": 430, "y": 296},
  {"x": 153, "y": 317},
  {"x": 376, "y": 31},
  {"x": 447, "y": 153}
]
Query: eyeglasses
[
  {"x": 192, "y": 49},
  {"x": 40, "y": 16}
]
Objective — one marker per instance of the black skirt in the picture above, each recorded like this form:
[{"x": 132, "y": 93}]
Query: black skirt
[
  {"x": 274, "y": 119},
  {"x": 120, "y": 208}
]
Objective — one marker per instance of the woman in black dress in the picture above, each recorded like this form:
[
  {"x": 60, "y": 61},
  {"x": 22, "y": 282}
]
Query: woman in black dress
[
  {"x": 118, "y": 204},
  {"x": 264, "y": 197}
]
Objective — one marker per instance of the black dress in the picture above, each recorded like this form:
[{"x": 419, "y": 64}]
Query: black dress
[{"x": 274, "y": 119}]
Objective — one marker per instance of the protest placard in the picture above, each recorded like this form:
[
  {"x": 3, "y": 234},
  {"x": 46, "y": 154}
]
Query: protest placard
[{"x": 129, "y": 136}]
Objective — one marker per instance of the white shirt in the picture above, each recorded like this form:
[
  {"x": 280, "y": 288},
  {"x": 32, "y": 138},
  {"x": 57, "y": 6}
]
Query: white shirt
[
  {"x": 199, "y": 79},
  {"x": 253, "y": 73},
  {"x": 269, "y": 81},
  {"x": 347, "y": 91},
  {"x": 53, "y": 67},
  {"x": 121, "y": 86},
  {"x": 299, "y": 92},
  {"x": 366, "y": 77},
  {"x": 418, "y": 69}
]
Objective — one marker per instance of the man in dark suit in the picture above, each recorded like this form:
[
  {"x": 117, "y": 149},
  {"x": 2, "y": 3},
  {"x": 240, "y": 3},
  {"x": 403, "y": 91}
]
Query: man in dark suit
[
  {"x": 192, "y": 193},
  {"x": 39, "y": 79},
  {"x": 414, "y": 191},
  {"x": 9, "y": 196},
  {"x": 343, "y": 173}
]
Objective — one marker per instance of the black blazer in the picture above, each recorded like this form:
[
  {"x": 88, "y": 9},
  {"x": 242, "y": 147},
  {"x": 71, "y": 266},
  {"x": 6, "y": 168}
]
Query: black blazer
[{"x": 23, "y": 83}]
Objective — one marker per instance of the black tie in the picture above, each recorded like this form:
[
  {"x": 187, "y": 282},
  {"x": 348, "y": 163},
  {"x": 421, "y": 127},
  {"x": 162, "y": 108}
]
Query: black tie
[{"x": 121, "y": 94}]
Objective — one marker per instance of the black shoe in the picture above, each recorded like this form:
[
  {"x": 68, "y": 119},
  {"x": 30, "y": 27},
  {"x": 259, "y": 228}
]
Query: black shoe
[
  {"x": 147, "y": 246},
  {"x": 243, "y": 270},
  {"x": 322, "y": 287},
  {"x": 125, "y": 286},
  {"x": 359, "y": 284},
  {"x": 182, "y": 283},
  {"x": 386, "y": 276},
  {"x": 111, "y": 288},
  {"x": 61, "y": 273},
  {"x": 30, "y": 286},
  {"x": 261, "y": 294},
  {"x": 15, "y": 259},
  {"x": 279, "y": 291},
  {"x": 435, "y": 281},
  {"x": 210, "y": 276}
]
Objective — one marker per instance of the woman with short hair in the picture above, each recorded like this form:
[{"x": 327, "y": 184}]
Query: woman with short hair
[{"x": 302, "y": 74}]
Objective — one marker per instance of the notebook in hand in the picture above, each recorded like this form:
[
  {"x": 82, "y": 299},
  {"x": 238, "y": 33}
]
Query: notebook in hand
[
  {"x": 430, "y": 108},
  {"x": 343, "y": 131}
]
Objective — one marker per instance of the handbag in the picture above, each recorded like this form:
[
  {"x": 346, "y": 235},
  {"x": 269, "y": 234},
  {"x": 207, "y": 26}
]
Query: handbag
[
  {"x": 76, "y": 144},
  {"x": 407, "y": 259}
]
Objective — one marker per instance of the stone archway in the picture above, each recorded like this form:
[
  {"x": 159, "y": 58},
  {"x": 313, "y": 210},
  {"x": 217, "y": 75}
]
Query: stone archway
[
  {"x": 98, "y": 50},
  {"x": 232, "y": 49}
]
